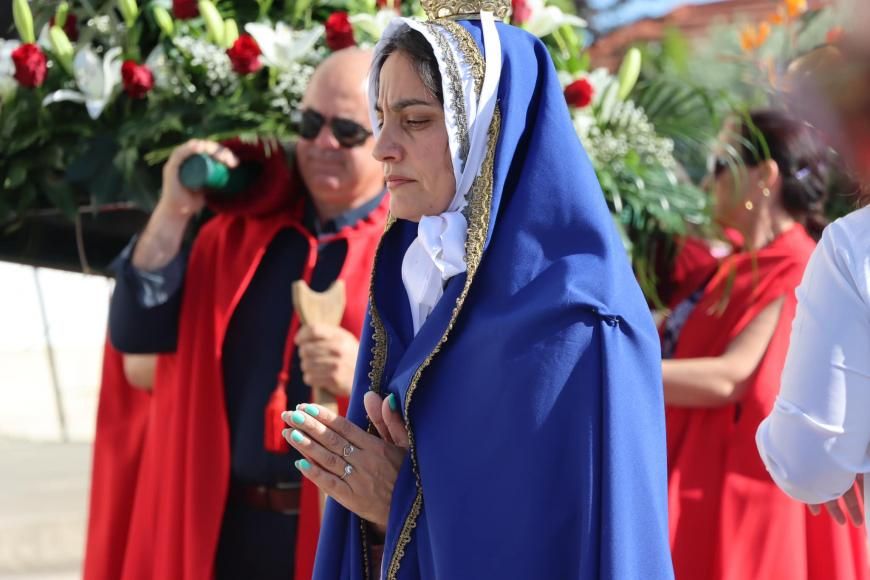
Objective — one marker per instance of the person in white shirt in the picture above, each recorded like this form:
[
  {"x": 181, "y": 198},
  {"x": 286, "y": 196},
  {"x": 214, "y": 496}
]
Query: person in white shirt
[{"x": 815, "y": 441}]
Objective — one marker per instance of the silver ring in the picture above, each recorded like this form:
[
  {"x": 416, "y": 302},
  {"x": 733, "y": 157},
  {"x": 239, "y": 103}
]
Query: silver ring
[
  {"x": 348, "y": 449},
  {"x": 348, "y": 471}
]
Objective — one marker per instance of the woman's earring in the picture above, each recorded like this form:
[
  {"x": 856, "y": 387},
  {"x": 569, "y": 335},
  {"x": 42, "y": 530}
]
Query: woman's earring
[
  {"x": 765, "y": 192},
  {"x": 748, "y": 205}
]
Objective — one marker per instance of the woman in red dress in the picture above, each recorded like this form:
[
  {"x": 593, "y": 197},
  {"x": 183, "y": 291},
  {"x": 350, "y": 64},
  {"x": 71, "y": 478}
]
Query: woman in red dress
[{"x": 724, "y": 346}]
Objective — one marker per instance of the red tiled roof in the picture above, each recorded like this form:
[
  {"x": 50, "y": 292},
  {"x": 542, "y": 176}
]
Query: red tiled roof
[{"x": 692, "y": 20}]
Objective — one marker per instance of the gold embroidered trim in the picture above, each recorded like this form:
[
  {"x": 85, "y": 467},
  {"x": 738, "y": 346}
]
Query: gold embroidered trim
[
  {"x": 453, "y": 8},
  {"x": 376, "y": 373},
  {"x": 469, "y": 51},
  {"x": 469, "y": 17},
  {"x": 405, "y": 536},
  {"x": 365, "y": 547},
  {"x": 455, "y": 81},
  {"x": 478, "y": 215},
  {"x": 478, "y": 228},
  {"x": 379, "y": 335}
]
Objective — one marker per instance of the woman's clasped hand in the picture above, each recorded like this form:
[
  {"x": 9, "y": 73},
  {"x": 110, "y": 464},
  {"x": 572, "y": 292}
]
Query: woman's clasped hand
[{"x": 354, "y": 467}]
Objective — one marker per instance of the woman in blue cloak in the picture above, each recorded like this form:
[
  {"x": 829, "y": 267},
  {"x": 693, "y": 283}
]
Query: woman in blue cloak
[{"x": 507, "y": 419}]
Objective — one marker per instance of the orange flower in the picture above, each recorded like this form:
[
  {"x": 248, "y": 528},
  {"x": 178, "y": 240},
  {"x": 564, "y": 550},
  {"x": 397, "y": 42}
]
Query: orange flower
[
  {"x": 752, "y": 37},
  {"x": 747, "y": 39},
  {"x": 834, "y": 35},
  {"x": 776, "y": 18},
  {"x": 795, "y": 7},
  {"x": 763, "y": 33}
]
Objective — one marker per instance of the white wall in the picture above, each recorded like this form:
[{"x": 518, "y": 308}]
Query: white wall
[{"x": 76, "y": 308}]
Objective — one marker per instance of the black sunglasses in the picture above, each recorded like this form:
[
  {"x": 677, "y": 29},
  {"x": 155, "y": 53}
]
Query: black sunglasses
[{"x": 348, "y": 133}]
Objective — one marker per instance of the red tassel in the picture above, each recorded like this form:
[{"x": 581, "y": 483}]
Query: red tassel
[{"x": 273, "y": 440}]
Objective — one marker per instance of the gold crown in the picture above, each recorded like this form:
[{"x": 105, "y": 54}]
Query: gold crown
[{"x": 457, "y": 9}]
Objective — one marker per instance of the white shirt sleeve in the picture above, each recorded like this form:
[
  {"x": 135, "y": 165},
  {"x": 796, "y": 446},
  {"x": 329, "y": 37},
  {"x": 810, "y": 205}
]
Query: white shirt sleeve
[{"x": 816, "y": 438}]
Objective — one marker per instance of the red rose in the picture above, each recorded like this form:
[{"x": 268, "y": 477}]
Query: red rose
[
  {"x": 70, "y": 26},
  {"x": 245, "y": 55},
  {"x": 579, "y": 93},
  {"x": 184, "y": 9},
  {"x": 137, "y": 79},
  {"x": 30, "y": 65},
  {"x": 520, "y": 12},
  {"x": 339, "y": 33}
]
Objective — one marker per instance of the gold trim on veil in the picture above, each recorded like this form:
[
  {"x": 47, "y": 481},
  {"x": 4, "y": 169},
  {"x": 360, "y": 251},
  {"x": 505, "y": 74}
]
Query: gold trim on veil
[
  {"x": 478, "y": 215},
  {"x": 463, "y": 9}
]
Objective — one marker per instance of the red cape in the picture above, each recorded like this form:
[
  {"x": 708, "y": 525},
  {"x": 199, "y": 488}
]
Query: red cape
[
  {"x": 122, "y": 418},
  {"x": 728, "y": 520},
  {"x": 184, "y": 480},
  {"x": 693, "y": 266}
]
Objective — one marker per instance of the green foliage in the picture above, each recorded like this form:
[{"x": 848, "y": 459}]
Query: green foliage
[
  {"x": 649, "y": 151},
  {"x": 57, "y": 156},
  {"x": 34, "y": 148},
  {"x": 648, "y": 140}
]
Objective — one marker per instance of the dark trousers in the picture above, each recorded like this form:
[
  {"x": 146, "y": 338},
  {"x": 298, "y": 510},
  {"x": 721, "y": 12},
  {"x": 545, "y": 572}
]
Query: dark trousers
[{"x": 255, "y": 545}]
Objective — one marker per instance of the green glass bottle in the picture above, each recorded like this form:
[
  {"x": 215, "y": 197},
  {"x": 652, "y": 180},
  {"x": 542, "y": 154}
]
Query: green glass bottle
[{"x": 203, "y": 172}]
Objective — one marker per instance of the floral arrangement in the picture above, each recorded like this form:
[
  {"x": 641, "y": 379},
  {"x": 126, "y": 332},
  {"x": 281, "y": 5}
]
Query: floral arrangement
[
  {"x": 92, "y": 105},
  {"x": 632, "y": 130}
]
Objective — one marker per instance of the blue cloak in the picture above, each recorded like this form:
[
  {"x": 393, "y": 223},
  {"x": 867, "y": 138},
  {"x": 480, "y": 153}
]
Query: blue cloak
[{"x": 532, "y": 393}]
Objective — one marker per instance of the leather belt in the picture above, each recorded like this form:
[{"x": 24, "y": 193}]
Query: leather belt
[{"x": 281, "y": 498}]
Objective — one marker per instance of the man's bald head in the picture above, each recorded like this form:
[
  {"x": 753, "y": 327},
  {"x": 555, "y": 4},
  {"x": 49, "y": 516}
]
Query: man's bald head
[
  {"x": 339, "y": 178},
  {"x": 339, "y": 84},
  {"x": 343, "y": 75}
]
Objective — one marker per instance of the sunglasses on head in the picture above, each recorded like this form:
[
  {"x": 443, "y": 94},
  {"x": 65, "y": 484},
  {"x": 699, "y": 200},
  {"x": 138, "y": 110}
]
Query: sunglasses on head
[{"x": 348, "y": 133}]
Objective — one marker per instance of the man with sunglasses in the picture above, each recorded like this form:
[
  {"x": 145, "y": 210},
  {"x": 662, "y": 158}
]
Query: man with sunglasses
[{"x": 219, "y": 494}]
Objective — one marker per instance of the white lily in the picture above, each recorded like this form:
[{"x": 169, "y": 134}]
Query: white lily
[
  {"x": 282, "y": 46},
  {"x": 158, "y": 63},
  {"x": 43, "y": 40},
  {"x": 96, "y": 79},
  {"x": 544, "y": 20},
  {"x": 7, "y": 68},
  {"x": 374, "y": 24}
]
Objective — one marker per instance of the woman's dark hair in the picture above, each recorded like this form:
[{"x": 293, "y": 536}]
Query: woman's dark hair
[
  {"x": 418, "y": 50},
  {"x": 805, "y": 162}
]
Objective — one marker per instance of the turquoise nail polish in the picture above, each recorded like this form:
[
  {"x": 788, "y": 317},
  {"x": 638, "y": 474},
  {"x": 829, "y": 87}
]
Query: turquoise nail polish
[
  {"x": 391, "y": 401},
  {"x": 303, "y": 465},
  {"x": 297, "y": 436},
  {"x": 312, "y": 410},
  {"x": 297, "y": 417}
]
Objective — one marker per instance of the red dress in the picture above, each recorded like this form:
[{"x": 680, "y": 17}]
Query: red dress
[
  {"x": 183, "y": 481},
  {"x": 728, "y": 520}
]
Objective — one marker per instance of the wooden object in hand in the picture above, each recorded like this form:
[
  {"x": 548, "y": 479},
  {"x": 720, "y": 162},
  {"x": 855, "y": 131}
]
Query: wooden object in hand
[{"x": 320, "y": 308}]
